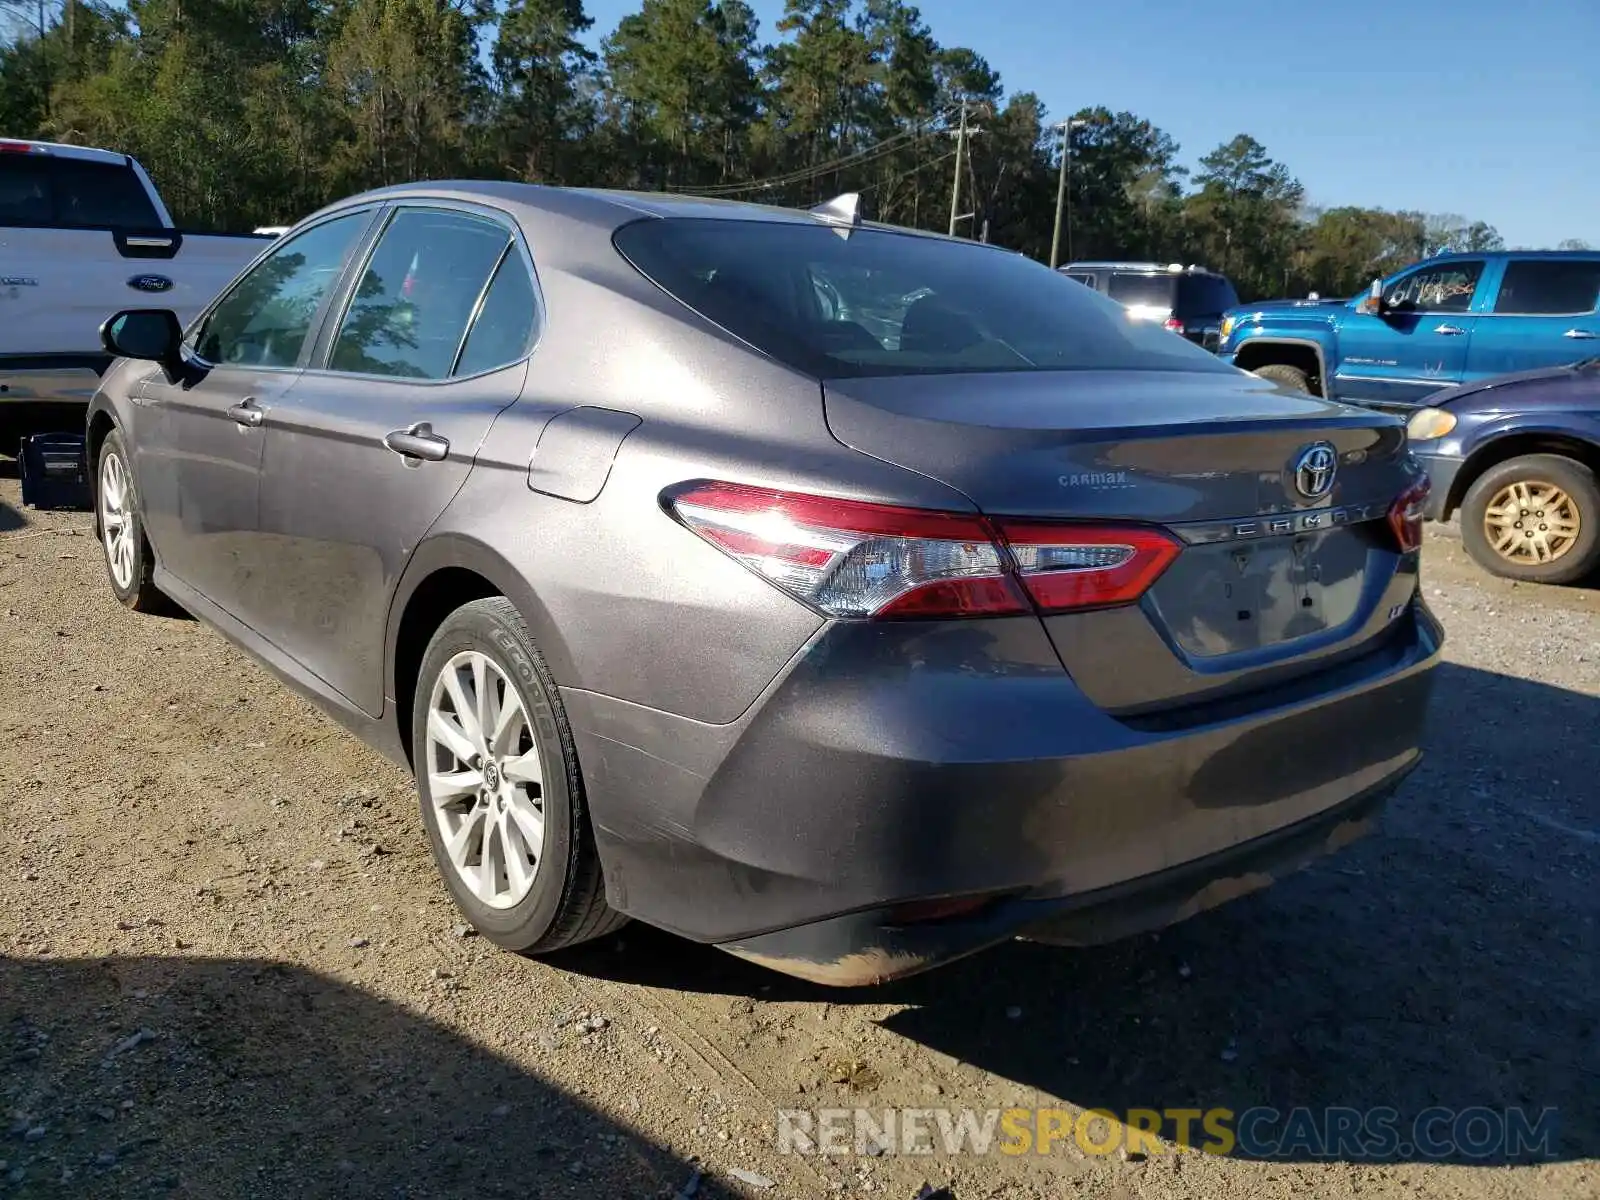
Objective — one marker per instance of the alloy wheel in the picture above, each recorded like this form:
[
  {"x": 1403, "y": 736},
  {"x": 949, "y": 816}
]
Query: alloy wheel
[
  {"x": 1531, "y": 522},
  {"x": 116, "y": 521},
  {"x": 485, "y": 780}
]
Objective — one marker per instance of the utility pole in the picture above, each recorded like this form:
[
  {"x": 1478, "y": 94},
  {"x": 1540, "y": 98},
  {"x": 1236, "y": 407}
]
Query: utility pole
[
  {"x": 955, "y": 182},
  {"x": 1066, "y": 128},
  {"x": 963, "y": 133}
]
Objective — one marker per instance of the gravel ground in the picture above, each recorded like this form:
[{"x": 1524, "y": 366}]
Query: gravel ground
[{"x": 227, "y": 968}]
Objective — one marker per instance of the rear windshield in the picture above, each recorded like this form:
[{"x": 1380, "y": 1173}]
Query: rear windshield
[
  {"x": 71, "y": 193},
  {"x": 1142, "y": 291},
  {"x": 886, "y": 303}
]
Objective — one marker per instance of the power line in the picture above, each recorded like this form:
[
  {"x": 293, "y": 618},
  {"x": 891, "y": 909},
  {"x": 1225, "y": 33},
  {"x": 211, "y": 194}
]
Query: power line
[
  {"x": 889, "y": 145},
  {"x": 893, "y": 179},
  {"x": 805, "y": 175}
]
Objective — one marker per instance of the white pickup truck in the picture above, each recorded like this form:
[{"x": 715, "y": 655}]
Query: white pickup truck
[{"x": 83, "y": 234}]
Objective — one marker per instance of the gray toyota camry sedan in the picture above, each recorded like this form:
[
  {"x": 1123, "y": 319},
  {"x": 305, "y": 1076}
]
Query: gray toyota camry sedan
[{"x": 846, "y": 597}]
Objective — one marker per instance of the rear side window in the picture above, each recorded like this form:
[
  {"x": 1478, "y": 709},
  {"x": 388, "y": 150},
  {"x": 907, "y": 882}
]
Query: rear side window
[
  {"x": 417, "y": 293},
  {"x": 68, "y": 193},
  {"x": 886, "y": 303},
  {"x": 1141, "y": 291},
  {"x": 1205, "y": 295},
  {"x": 1086, "y": 280},
  {"x": 504, "y": 325},
  {"x": 1550, "y": 286}
]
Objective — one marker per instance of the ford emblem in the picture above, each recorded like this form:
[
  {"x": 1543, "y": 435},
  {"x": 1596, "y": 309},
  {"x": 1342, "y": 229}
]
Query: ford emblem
[{"x": 150, "y": 283}]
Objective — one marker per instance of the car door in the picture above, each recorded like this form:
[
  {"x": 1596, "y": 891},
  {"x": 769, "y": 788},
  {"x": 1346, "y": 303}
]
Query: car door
[
  {"x": 1544, "y": 315},
  {"x": 1418, "y": 344},
  {"x": 198, "y": 455},
  {"x": 373, "y": 444}
]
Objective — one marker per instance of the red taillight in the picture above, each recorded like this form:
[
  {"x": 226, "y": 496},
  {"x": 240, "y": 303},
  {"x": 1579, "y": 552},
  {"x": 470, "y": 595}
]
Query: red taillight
[
  {"x": 1405, "y": 516},
  {"x": 850, "y": 558},
  {"x": 1088, "y": 566},
  {"x": 1172, "y": 323},
  {"x": 8, "y": 147}
]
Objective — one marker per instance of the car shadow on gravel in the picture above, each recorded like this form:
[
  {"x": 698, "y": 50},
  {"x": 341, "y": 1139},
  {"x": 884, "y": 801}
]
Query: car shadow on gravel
[
  {"x": 1450, "y": 961},
  {"x": 235, "y": 1077},
  {"x": 10, "y": 518}
]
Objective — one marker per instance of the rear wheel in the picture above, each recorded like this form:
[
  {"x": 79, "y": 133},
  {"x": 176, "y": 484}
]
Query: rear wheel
[
  {"x": 1535, "y": 518},
  {"x": 1289, "y": 377},
  {"x": 501, "y": 796},
  {"x": 130, "y": 565}
]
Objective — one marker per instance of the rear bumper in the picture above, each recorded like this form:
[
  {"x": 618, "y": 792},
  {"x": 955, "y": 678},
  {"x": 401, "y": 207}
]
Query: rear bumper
[
  {"x": 876, "y": 946},
  {"x": 896, "y": 764},
  {"x": 1442, "y": 470}
]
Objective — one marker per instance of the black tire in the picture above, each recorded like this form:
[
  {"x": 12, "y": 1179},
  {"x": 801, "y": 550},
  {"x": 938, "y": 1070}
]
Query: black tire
[
  {"x": 566, "y": 902},
  {"x": 1578, "y": 560},
  {"x": 139, "y": 592},
  {"x": 1289, "y": 377}
]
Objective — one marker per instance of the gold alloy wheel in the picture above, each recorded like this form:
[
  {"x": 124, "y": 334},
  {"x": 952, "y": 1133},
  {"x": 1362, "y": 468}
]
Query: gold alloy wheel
[{"x": 1531, "y": 522}]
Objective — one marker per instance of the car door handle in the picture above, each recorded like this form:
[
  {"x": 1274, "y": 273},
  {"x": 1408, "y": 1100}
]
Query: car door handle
[
  {"x": 418, "y": 442},
  {"x": 1449, "y": 330},
  {"x": 1581, "y": 334},
  {"x": 246, "y": 413}
]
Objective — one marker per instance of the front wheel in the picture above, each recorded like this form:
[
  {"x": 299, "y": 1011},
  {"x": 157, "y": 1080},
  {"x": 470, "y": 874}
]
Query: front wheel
[
  {"x": 1534, "y": 518},
  {"x": 1292, "y": 378},
  {"x": 497, "y": 778},
  {"x": 130, "y": 565}
]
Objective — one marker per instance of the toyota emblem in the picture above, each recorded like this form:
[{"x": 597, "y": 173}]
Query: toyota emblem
[{"x": 1314, "y": 469}]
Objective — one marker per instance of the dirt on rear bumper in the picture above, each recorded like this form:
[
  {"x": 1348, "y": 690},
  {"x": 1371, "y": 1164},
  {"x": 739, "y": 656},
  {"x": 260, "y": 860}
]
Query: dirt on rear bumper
[{"x": 868, "y": 948}]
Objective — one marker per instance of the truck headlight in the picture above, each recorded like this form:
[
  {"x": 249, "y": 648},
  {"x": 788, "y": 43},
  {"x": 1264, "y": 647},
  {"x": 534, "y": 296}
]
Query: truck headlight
[
  {"x": 1428, "y": 424},
  {"x": 1226, "y": 328}
]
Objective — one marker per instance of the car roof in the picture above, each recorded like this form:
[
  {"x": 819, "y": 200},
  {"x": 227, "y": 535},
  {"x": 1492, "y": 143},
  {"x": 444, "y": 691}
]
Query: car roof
[
  {"x": 62, "y": 150},
  {"x": 1479, "y": 255},
  {"x": 1142, "y": 268},
  {"x": 606, "y": 209}
]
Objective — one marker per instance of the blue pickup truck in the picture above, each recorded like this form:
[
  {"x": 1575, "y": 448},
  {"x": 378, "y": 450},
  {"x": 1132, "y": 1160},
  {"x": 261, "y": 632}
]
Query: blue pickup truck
[{"x": 1450, "y": 320}]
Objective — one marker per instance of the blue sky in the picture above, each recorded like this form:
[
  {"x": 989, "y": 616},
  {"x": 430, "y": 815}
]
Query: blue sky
[{"x": 1477, "y": 107}]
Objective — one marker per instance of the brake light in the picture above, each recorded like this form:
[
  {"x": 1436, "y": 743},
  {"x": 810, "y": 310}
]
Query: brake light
[
  {"x": 1087, "y": 566},
  {"x": 1172, "y": 323},
  {"x": 9, "y": 147},
  {"x": 1405, "y": 515},
  {"x": 850, "y": 558}
]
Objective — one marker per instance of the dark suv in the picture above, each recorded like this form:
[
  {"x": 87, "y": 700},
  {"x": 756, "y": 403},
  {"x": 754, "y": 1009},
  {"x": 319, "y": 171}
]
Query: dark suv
[{"x": 1187, "y": 300}]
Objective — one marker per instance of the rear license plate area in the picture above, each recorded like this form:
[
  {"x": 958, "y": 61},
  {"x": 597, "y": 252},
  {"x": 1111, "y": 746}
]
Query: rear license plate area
[{"x": 1232, "y": 597}]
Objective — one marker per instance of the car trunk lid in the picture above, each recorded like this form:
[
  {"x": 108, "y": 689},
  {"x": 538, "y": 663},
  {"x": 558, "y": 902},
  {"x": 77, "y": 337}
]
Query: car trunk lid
[{"x": 1281, "y": 566}]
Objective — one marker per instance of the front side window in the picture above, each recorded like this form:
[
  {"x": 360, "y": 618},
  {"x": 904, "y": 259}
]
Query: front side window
[
  {"x": 1447, "y": 287},
  {"x": 417, "y": 294},
  {"x": 1552, "y": 287},
  {"x": 896, "y": 304},
  {"x": 265, "y": 319}
]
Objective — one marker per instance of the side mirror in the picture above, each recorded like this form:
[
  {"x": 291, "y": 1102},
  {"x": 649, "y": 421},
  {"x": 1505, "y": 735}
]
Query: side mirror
[{"x": 151, "y": 334}]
